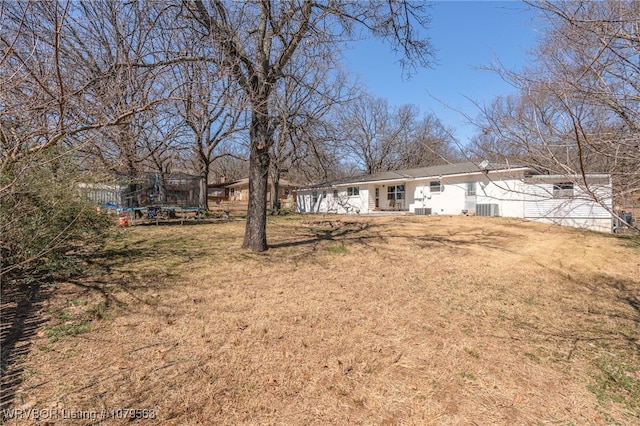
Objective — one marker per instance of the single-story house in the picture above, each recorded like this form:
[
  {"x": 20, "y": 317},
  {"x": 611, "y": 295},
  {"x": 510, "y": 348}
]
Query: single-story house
[
  {"x": 218, "y": 192},
  {"x": 239, "y": 190},
  {"x": 484, "y": 189}
]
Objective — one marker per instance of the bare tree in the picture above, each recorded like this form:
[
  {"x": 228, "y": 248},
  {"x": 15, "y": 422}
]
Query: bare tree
[
  {"x": 578, "y": 105},
  {"x": 256, "y": 41},
  {"x": 369, "y": 134},
  {"x": 109, "y": 38},
  {"x": 211, "y": 108},
  {"x": 381, "y": 138},
  {"x": 427, "y": 143},
  {"x": 234, "y": 165},
  {"x": 303, "y": 98}
]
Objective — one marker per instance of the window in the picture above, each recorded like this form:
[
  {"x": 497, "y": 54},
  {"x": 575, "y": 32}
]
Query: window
[
  {"x": 335, "y": 193},
  {"x": 435, "y": 186},
  {"x": 285, "y": 192},
  {"x": 395, "y": 192},
  {"x": 471, "y": 188},
  {"x": 314, "y": 196},
  {"x": 353, "y": 191},
  {"x": 563, "y": 190}
]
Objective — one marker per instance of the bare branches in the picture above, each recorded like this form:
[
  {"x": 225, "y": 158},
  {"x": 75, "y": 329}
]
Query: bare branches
[
  {"x": 380, "y": 138},
  {"x": 577, "y": 111}
]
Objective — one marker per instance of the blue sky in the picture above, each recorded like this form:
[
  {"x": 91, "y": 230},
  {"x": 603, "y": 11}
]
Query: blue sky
[{"x": 466, "y": 35}]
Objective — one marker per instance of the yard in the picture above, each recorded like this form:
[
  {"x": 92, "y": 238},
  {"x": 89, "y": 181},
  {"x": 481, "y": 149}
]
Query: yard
[{"x": 345, "y": 320}]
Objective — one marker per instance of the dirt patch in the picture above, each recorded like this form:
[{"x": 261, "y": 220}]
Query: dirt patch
[{"x": 394, "y": 320}]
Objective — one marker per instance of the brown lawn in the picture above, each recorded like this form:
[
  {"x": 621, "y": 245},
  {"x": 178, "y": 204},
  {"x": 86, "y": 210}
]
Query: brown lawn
[{"x": 345, "y": 320}]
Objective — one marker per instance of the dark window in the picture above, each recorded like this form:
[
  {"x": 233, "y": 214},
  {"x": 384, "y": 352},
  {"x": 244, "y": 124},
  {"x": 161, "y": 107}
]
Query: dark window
[
  {"x": 314, "y": 196},
  {"x": 352, "y": 191},
  {"x": 435, "y": 186},
  {"x": 471, "y": 188},
  {"x": 395, "y": 192},
  {"x": 563, "y": 190}
]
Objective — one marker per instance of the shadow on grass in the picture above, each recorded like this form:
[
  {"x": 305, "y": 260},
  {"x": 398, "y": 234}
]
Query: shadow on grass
[
  {"x": 133, "y": 268},
  {"x": 105, "y": 272},
  {"x": 20, "y": 320},
  {"x": 627, "y": 292},
  {"x": 335, "y": 232}
]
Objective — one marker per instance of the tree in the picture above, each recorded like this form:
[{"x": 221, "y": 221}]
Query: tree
[
  {"x": 577, "y": 110},
  {"x": 107, "y": 39},
  {"x": 303, "y": 98},
  {"x": 43, "y": 98},
  {"x": 369, "y": 133},
  {"x": 211, "y": 111},
  {"x": 381, "y": 138},
  {"x": 257, "y": 40},
  {"x": 427, "y": 143}
]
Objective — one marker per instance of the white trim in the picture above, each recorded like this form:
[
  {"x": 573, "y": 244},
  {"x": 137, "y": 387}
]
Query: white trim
[{"x": 439, "y": 177}]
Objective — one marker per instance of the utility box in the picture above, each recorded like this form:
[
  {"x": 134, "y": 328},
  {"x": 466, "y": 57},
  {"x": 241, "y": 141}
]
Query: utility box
[
  {"x": 423, "y": 211},
  {"x": 487, "y": 210}
]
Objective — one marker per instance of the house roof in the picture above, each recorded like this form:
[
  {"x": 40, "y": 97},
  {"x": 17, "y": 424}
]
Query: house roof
[
  {"x": 424, "y": 172},
  {"x": 245, "y": 182}
]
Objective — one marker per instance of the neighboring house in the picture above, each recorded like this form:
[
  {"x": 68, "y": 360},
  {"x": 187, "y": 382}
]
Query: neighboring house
[
  {"x": 218, "y": 192},
  {"x": 467, "y": 188},
  {"x": 239, "y": 191}
]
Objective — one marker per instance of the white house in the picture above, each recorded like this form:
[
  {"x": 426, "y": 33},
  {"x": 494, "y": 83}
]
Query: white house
[{"x": 468, "y": 188}]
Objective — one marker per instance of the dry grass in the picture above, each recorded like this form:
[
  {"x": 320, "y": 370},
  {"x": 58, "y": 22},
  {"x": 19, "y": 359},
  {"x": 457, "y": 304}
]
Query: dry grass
[{"x": 396, "y": 320}]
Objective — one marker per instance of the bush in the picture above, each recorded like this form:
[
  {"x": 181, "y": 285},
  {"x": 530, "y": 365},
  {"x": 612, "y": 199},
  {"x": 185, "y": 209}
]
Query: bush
[{"x": 45, "y": 224}]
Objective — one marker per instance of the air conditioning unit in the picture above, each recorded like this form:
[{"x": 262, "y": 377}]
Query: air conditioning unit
[
  {"x": 487, "y": 210},
  {"x": 423, "y": 211}
]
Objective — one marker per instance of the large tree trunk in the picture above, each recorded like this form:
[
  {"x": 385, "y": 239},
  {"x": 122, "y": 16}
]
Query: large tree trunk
[
  {"x": 255, "y": 236},
  {"x": 203, "y": 201}
]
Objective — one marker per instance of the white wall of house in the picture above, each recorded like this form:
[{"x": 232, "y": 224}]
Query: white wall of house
[
  {"x": 546, "y": 202},
  {"x": 513, "y": 195},
  {"x": 505, "y": 190},
  {"x": 459, "y": 194},
  {"x": 341, "y": 200},
  {"x": 447, "y": 198}
]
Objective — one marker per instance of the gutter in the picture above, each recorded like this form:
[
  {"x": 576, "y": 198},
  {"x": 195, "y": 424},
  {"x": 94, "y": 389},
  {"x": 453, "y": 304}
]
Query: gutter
[{"x": 411, "y": 178}]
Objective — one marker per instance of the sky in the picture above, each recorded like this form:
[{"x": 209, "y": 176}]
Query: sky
[{"x": 466, "y": 35}]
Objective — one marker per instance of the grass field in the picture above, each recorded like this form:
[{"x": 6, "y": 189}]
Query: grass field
[{"x": 345, "y": 320}]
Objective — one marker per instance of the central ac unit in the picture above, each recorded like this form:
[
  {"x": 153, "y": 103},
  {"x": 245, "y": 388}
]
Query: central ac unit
[
  {"x": 423, "y": 210},
  {"x": 487, "y": 210}
]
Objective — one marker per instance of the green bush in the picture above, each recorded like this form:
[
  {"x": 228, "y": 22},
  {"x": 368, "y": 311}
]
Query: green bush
[{"x": 45, "y": 225}]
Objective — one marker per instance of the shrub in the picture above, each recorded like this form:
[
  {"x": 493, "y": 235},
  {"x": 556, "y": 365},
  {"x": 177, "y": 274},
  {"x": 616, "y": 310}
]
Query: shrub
[{"x": 45, "y": 224}]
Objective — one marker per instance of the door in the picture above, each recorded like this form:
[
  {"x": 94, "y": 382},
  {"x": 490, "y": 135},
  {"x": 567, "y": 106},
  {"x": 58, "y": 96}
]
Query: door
[{"x": 377, "y": 191}]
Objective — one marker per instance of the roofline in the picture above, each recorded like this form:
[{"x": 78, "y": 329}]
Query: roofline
[
  {"x": 414, "y": 178},
  {"x": 586, "y": 175}
]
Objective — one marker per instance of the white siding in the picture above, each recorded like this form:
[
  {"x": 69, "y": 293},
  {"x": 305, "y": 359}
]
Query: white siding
[
  {"x": 579, "y": 210},
  {"x": 330, "y": 202},
  {"x": 540, "y": 203}
]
